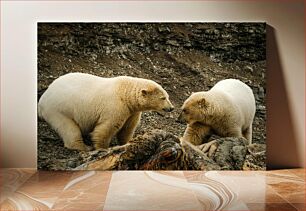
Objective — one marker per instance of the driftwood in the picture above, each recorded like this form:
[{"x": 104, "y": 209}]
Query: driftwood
[{"x": 159, "y": 150}]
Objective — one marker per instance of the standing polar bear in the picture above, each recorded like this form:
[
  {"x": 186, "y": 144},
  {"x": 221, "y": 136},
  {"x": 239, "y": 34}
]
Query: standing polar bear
[
  {"x": 77, "y": 104},
  {"x": 227, "y": 109}
]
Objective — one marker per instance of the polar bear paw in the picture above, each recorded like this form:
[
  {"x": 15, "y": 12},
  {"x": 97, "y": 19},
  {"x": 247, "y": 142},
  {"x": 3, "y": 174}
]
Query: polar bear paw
[
  {"x": 209, "y": 148},
  {"x": 79, "y": 146}
]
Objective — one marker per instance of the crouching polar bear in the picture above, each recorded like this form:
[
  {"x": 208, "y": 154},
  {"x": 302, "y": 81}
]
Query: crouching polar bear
[
  {"x": 77, "y": 104},
  {"x": 227, "y": 109}
]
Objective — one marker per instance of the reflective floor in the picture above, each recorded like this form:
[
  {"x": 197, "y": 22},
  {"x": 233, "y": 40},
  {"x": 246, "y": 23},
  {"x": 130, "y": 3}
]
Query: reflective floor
[{"x": 28, "y": 189}]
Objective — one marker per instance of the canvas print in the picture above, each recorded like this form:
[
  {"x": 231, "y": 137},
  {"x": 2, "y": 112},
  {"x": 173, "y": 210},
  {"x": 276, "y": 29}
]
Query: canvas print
[{"x": 151, "y": 96}]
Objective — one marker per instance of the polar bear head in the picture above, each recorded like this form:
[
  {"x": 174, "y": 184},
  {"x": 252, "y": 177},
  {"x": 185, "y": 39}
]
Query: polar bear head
[
  {"x": 154, "y": 97},
  {"x": 195, "y": 109}
]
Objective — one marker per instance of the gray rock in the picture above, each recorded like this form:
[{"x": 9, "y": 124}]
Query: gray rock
[
  {"x": 164, "y": 29},
  {"x": 256, "y": 157},
  {"x": 172, "y": 42},
  {"x": 72, "y": 163},
  {"x": 239, "y": 153},
  {"x": 261, "y": 92},
  {"x": 248, "y": 69},
  {"x": 231, "y": 153}
]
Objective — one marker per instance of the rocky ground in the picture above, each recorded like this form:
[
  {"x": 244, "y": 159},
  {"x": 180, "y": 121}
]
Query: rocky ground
[
  {"x": 183, "y": 58},
  {"x": 160, "y": 150}
]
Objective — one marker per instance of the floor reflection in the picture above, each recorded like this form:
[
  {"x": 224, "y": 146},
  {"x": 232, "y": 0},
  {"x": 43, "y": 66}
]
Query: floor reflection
[{"x": 28, "y": 189}]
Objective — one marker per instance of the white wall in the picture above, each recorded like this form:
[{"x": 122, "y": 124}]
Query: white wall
[{"x": 19, "y": 65}]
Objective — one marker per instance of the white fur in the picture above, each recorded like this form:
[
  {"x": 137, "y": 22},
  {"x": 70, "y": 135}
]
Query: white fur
[
  {"x": 78, "y": 103},
  {"x": 240, "y": 100},
  {"x": 229, "y": 110}
]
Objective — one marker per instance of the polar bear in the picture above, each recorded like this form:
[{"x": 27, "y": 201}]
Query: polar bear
[
  {"x": 77, "y": 104},
  {"x": 227, "y": 109}
]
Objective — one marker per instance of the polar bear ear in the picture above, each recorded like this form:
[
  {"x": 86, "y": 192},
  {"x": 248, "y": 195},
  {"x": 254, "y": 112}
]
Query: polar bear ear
[
  {"x": 144, "y": 92},
  {"x": 147, "y": 91},
  {"x": 202, "y": 102}
]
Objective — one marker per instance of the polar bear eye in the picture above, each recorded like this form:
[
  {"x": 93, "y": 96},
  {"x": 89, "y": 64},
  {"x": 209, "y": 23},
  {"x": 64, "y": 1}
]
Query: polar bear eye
[{"x": 163, "y": 98}]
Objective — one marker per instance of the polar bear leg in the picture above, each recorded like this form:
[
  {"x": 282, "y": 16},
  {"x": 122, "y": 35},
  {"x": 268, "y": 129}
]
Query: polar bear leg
[
  {"x": 234, "y": 132},
  {"x": 127, "y": 131},
  {"x": 68, "y": 131},
  {"x": 248, "y": 134},
  {"x": 196, "y": 132},
  {"x": 103, "y": 133}
]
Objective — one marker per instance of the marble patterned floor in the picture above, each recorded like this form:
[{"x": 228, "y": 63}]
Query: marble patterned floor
[{"x": 29, "y": 189}]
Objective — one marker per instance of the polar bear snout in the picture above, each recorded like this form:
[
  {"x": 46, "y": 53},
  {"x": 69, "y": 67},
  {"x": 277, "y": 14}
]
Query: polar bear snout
[
  {"x": 168, "y": 109},
  {"x": 181, "y": 119}
]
